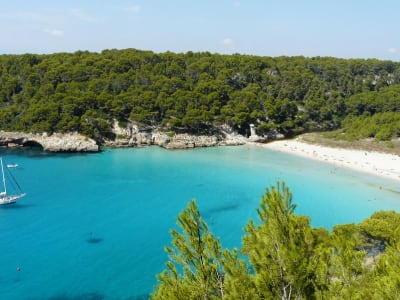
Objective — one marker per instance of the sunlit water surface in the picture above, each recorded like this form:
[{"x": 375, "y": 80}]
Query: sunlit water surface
[{"x": 93, "y": 226}]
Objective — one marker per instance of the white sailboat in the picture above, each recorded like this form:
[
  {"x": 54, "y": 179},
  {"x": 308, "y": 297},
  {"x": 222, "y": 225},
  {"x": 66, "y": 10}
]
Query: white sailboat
[{"x": 6, "y": 198}]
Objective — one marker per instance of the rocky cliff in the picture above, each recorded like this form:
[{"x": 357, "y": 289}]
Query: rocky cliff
[
  {"x": 133, "y": 136},
  {"x": 66, "y": 142}
]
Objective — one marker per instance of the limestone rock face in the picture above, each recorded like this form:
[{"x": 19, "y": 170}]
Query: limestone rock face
[
  {"x": 134, "y": 136},
  {"x": 185, "y": 141},
  {"x": 233, "y": 140},
  {"x": 58, "y": 142},
  {"x": 160, "y": 138},
  {"x": 69, "y": 142},
  {"x": 130, "y": 136}
]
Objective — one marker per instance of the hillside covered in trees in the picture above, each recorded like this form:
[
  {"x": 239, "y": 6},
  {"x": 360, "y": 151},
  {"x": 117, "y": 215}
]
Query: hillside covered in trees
[
  {"x": 283, "y": 257},
  {"x": 197, "y": 92}
]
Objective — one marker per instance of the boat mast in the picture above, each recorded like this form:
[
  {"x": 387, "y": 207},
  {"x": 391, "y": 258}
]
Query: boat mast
[{"x": 2, "y": 172}]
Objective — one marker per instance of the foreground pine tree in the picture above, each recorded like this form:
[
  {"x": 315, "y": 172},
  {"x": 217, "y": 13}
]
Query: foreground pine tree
[
  {"x": 198, "y": 268},
  {"x": 281, "y": 248},
  {"x": 195, "y": 269},
  {"x": 285, "y": 258},
  {"x": 277, "y": 248}
]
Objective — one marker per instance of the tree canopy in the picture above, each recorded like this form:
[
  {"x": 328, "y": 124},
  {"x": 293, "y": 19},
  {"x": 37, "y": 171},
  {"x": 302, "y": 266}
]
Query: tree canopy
[{"x": 196, "y": 92}]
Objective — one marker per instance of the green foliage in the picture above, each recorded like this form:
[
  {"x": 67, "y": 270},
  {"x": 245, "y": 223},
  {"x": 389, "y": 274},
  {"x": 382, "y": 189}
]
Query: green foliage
[
  {"x": 384, "y": 225},
  {"x": 280, "y": 246},
  {"x": 239, "y": 281},
  {"x": 381, "y": 126},
  {"x": 195, "y": 267},
  {"x": 345, "y": 263},
  {"x": 373, "y": 114},
  {"x": 285, "y": 258},
  {"x": 195, "y": 92},
  {"x": 386, "y": 275}
]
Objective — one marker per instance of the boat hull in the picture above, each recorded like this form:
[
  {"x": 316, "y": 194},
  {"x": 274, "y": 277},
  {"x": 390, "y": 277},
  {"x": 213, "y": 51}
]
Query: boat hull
[{"x": 4, "y": 200}]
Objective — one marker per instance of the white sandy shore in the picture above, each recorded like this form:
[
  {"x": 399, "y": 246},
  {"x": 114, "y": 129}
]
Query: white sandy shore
[{"x": 380, "y": 164}]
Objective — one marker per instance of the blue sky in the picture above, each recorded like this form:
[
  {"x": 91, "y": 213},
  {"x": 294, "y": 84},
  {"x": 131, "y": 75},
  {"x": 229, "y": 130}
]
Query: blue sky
[{"x": 339, "y": 28}]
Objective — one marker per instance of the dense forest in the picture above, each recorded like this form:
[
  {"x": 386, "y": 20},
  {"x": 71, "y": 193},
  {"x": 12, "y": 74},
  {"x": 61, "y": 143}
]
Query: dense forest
[
  {"x": 283, "y": 257},
  {"x": 198, "y": 92}
]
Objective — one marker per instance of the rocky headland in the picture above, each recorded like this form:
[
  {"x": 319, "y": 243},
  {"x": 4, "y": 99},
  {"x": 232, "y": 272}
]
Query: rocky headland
[
  {"x": 135, "y": 136},
  {"x": 131, "y": 136},
  {"x": 57, "y": 142}
]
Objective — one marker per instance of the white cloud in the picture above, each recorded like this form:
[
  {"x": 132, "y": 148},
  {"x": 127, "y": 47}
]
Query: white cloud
[
  {"x": 135, "y": 8},
  {"x": 392, "y": 50},
  {"x": 54, "y": 32},
  {"x": 236, "y": 4},
  {"x": 80, "y": 14},
  {"x": 227, "y": 42}
]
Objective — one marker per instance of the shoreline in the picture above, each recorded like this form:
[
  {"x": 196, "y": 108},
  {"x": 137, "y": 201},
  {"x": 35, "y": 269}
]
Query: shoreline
[
  {"x": 368, "y": 161},
  {"x": 375, "y": 163}
]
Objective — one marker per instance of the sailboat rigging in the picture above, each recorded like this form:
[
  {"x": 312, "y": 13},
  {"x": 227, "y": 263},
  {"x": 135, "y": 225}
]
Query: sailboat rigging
[{"x": 6, "y": 198}]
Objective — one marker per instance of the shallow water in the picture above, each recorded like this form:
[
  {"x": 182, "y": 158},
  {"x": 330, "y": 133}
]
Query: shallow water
[{"x": 93, "y": 226}]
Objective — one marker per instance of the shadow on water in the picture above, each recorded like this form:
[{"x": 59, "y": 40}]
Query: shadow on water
[
  {"x": 94, "y": 240},
  {"x": 209, "y": 214},
  {"x": 38, "y": 153},
  {"x": 86, "y": 296},
  {"x": 31, "y": 152},
  {"x": 13, "y": 206},
  {"x": 95, "y": 296},
  {"x": 222, "y": 208},
  {"x": 139, "y": 297}
]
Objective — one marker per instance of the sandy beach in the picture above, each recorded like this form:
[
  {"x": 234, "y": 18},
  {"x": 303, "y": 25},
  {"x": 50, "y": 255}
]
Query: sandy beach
[{"x": 380, "y": 164}]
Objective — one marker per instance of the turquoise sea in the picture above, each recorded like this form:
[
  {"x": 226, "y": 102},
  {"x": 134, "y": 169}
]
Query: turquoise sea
[{"x": 93, "y": 226}]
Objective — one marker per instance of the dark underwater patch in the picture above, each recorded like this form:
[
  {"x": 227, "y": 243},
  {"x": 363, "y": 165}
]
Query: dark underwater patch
[
  {"x": 85, "y": 296},
  {"x": 223, "y": 208},
  {"x": 139, "y": 297},
  {"x": 94, "y": 240}
]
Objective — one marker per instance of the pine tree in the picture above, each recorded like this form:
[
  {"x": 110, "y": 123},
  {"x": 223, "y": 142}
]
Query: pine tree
[
  {"x": 286, "y": 258},
  {"x": 387, "y": 274},
  {"x": 384, "y": 279},
  {"x": 345, "y": 263},
  {"x": 238, "y": 281},
  {"x": 194, "y": 270},
  {"x": 280, "y": 248}
]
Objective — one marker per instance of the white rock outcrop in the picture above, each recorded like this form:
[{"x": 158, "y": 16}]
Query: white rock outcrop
[
  {"x": 134, "y": 136},
  {"x": 58, "y": 142}
]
